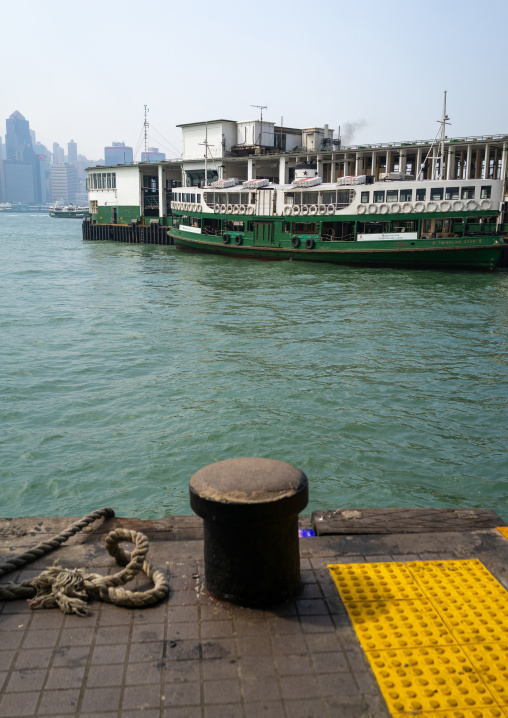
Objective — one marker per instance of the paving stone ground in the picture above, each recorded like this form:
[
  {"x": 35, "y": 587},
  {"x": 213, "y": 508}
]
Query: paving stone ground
[{"x": 193, "y": 656}]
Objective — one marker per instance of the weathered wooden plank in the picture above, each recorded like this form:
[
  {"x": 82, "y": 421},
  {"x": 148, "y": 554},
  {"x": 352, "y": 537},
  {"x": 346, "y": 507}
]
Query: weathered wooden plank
[
  {"x": 33, "y": 530},
  {"x": 388, "y": 521},
  {"x": 30, "y": 531}
]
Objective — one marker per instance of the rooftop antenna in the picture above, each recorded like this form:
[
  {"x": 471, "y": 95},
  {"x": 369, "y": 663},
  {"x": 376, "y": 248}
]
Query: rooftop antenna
[
  {"x": 146, "y": 125},
  {"x": 206, "y": 145},
  {"x": 261, "y": 107}
]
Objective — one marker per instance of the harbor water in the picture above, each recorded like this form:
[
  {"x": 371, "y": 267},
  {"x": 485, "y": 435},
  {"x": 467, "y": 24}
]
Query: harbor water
[{"x": 126, "y": 368}]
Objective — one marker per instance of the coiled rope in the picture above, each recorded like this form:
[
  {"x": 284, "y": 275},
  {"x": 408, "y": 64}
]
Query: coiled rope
[{"x": 69, "y": 589}]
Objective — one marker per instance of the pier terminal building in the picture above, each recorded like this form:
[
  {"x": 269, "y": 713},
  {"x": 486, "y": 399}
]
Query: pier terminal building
[{"x": 126, "y": 198}]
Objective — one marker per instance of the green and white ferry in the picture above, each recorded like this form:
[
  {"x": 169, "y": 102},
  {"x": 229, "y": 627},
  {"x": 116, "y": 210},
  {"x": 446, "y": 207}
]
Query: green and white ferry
[
  {"x": 395, "y": 221},
  {"x": 69, "y": 212}
]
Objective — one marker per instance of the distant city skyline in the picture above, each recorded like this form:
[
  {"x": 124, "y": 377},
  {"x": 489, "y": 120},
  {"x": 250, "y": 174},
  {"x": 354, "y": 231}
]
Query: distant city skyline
[
  {"x": 30, "y": 173},
  {"x": 377, "y": 69}
]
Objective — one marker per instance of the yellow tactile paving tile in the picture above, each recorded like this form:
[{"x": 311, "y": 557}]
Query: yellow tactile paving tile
[
  {"x": 491, "y": 664},
  {"x": 435, "y": 634},
  {"x": 423, "y": 679},
  {"x": 398, "y": 624},
  {"x": 472, "y": 603},
  {"x": 374, "y": 581},
  {"x": 503, "y": 530},
  {"x": 493, "y": 712},
  {"x": 455, "y": 580}
]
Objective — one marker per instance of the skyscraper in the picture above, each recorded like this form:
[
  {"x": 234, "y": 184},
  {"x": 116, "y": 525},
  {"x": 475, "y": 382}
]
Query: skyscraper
[
  {"x": 2, "y": 157},
  {"x": 58, "y": 154},
  {"x": 18, "y": 142},
  {"x": 21, "y": 166},
  {"x": 64, "y": 182},
  {"x": 153, "y": 155},
  {"x": 72, "y": 153},
  {"x": 118, "y": 154}
]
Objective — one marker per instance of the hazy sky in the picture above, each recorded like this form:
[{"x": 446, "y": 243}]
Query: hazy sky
[{"x": 84, "y": 71}]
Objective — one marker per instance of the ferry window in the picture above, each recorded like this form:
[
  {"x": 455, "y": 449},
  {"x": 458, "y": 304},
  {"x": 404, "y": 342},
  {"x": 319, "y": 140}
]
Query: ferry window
[
  {"x": 309, "y": 197},
  {"x": 198, "y": 198},
  {"x": 467, "y": 193},
  {"x": 365, "y": 197},
  {"x": 420, "y": 195},
  {"x": 379, "y": 196},
  {"x": 406, "y": 195},
  {"x": 104, "y": 180},
  {"x": 392, "y": 195},
  {"x": 286, "y": 227},
  {"x": 426, "y": 227},
  {"x": 485, "y": 192},
  {"x": 452, "y": 193},
  {"x": 345, "y": 197},
  {"x": 372, "y": 227},
  {"x": 305, "y": 227},
  {"x": 405, "y": 225},
  {"x": 328, "y": 198},
  {"x": 436, "y": 193},
  {"x": 193, "y": 198},
  {"x": 94, "y": 208},
  {"x": 109, "y": 180},
  {"x": 113, "y": 180}
]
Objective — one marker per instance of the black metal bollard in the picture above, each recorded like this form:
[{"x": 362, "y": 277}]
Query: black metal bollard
[{"x": 250, "y": 509}]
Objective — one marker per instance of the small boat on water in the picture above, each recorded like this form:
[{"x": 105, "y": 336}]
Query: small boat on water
[{"x": 69, "y": 211}]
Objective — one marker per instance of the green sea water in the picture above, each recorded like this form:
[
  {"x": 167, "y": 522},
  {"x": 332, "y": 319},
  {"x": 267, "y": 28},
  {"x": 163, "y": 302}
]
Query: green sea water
[{"x": 126, "y": 368}]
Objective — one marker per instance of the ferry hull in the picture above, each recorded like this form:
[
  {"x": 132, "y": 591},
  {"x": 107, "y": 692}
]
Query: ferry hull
[{"x": 477, "y": 253}]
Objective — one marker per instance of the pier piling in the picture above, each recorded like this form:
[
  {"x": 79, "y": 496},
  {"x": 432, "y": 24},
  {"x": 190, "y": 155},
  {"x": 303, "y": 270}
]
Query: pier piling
[{"x": 130, "y": 234}]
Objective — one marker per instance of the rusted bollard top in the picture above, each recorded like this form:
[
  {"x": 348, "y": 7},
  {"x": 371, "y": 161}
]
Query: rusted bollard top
[{"x": 252, "y": 483}]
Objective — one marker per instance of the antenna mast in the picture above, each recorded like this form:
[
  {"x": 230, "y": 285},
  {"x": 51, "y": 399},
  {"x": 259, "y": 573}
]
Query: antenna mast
[
  {"x": 443, "y": 137},
  {"x": 206, "y": 145},
  {"x": 261, "y": 107},
  {"x": 443, "y": 124},
  {"x": 146, "y": 125}
]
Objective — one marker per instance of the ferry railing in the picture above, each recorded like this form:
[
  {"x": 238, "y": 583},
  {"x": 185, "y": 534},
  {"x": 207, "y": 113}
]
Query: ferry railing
[{"x": 403, "y": 143}]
